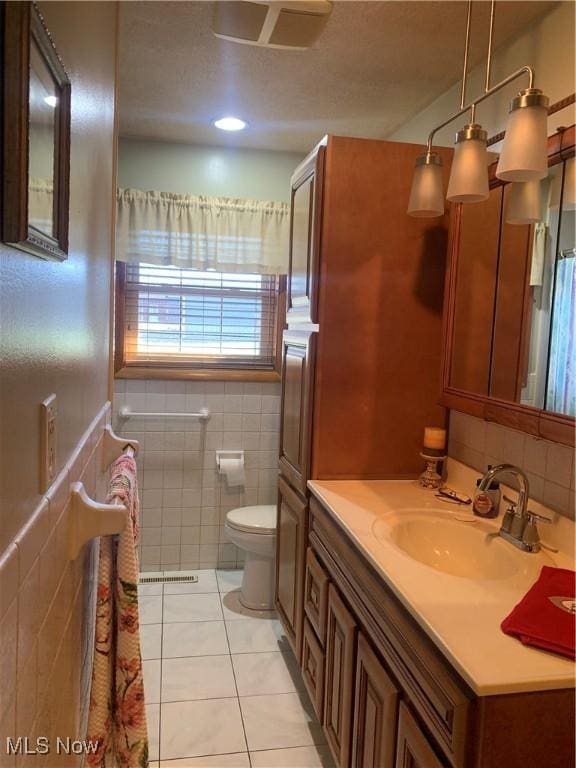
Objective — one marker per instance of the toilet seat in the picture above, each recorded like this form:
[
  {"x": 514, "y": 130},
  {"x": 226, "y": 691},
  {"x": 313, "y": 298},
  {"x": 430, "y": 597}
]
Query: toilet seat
[{"x": 258, "y": 519}]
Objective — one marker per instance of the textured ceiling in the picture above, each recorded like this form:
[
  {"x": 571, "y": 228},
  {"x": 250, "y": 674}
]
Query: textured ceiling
[{"x": 375, "y": 65}]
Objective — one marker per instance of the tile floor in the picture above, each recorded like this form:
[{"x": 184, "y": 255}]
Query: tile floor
[{"x": 222, "y": 686}]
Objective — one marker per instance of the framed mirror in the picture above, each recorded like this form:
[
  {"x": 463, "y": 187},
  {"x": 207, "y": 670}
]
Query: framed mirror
[
  {"x": 510, "y": 348},
  {"x": 36, "y": 141}
]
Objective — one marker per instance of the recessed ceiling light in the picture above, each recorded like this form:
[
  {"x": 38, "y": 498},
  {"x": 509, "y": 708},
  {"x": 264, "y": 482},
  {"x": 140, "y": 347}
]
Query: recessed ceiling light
[
  {"x": 230, "y": 124},
  {"x": 51, "y": 100}
]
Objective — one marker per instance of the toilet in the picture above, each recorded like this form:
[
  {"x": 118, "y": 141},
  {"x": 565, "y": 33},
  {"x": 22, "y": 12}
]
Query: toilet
[{"x": 253, "y": 529}]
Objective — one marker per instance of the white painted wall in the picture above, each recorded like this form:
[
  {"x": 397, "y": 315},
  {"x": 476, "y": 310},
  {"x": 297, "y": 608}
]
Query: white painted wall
[
  {"x": 202, "y": 170},
  {"x": 547, "y": 45}
]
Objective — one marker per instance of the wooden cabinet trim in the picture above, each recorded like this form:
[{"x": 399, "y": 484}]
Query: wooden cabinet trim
[
  {"x": 339, "y": 678},
  {"x": 442, "y": 699},
  {"x": 312, "y": 665},
  {"x": 533, "y": 421},
  {"x": 316, "y": 595},
  {"x": 373, "y": 744}
]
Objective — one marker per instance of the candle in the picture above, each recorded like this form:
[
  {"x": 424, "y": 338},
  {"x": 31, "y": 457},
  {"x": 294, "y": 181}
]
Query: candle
[{"x": 435, "y": 438}]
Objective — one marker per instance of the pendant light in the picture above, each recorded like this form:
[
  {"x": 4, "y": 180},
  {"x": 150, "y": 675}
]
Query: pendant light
[
  {"x": 469, "y": 174},
  {"x": 524, "y": 155},
  {"x": 524, "y": 152},
  {"x": 524, "y": 204},
  {"x": 427, "y": 195}
]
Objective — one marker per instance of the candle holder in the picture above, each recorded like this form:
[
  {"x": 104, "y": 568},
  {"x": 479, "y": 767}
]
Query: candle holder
[{"x": 430, "y": 478}]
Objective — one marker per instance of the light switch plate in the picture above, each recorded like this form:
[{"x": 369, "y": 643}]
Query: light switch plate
[{"x": 48, "y": 414}]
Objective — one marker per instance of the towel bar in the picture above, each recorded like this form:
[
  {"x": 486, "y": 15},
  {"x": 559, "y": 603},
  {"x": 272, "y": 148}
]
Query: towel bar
[
  {"x": 89, "y": 519},
  {"x": 115, "y": 446},
  {"x": 126, "y": 412}
]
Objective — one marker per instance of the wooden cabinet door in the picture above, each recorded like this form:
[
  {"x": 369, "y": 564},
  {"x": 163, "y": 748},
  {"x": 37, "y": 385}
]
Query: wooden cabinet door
[
  {"x": 290, "y": 562},
  {"x": 375, "y": 712},
  {"x": 304, "y": 253},
  {"x": 296, "y": 406},
  {"x": 339, "y": 678},
  {"x": 413, "y": 749}
]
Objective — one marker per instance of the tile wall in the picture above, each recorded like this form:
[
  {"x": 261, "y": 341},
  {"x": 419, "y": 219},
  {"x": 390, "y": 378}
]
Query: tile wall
[
  {"x": 45, "y": 599},
  {"x": 184, "y": 500},
  {"x": 549, "y": 466}
]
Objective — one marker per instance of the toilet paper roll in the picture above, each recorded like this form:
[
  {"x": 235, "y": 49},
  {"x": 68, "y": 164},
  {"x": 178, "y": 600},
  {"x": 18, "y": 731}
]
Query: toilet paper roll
[{"x": 233, "y": 471}]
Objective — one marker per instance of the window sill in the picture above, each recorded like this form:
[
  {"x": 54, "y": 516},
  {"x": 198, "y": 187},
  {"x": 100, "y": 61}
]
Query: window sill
[{"x": 201, "y": 374}]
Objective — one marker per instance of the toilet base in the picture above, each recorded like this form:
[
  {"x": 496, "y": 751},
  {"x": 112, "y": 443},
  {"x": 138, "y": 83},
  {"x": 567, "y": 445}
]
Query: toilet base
[{"x": 257, "y": 591}]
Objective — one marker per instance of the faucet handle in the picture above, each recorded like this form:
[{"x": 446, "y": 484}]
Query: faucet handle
[
  {"x": 512, "y": 504},
  {"x": 534, "y": 517}
]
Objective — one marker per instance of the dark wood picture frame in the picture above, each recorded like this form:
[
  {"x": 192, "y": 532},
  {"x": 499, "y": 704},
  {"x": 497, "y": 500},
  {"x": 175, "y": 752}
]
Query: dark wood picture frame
[
  {"x": 22, "y": 25},
  {"x": 534, "y": 421}
]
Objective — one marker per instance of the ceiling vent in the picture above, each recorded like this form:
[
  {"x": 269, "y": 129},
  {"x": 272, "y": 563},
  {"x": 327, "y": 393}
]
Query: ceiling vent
[{"x": 293, "y": 24}]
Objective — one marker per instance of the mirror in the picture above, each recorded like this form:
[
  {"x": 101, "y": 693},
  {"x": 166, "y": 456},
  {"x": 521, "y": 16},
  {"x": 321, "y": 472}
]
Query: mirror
[
  {"x": 561, "y": 378},
  {"x": 42, "y": 104},
  {"x": 36, "y": 156},
  {"x": 512, "y": 318}
]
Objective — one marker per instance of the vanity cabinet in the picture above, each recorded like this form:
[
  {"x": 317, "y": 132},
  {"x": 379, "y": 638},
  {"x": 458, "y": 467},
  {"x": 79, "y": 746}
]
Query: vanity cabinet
[
  {"x": 391, "y": 698},
  {"x": 362, "y": 348}
]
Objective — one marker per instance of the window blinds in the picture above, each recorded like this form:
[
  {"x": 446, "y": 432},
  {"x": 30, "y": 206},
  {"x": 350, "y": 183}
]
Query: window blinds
[{"x": 186, "y": 318}]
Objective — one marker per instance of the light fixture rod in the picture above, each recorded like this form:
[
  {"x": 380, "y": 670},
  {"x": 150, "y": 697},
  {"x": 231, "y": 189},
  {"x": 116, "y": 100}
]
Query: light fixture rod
[
  {"x": 466, "y": 50},
  {"x": 472, "y": 105},
  {"x": 490, "y": 37}
]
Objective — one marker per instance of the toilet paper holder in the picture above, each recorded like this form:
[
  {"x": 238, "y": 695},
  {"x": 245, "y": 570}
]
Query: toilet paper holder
[{"x": 228, "y": 455}]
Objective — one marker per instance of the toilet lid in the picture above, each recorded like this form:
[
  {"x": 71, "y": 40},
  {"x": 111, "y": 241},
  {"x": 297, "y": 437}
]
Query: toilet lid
[{"x": 259, "y": 519}]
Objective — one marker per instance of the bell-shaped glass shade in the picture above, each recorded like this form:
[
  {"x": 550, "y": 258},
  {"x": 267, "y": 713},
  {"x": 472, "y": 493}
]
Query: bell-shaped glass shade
[
  {"x": 427, "y": 194},
  {"x": 469, "y": 174},
  {"x": 524, "y": 155},
  {"x": 524, "y": 204}
]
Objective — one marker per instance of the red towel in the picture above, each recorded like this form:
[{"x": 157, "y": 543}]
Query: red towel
[{"x": 546, "y": 615}]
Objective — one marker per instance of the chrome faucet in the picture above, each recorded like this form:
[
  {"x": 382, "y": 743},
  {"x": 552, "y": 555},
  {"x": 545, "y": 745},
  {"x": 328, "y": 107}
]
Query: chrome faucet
[{"x": 519, "y": 524}]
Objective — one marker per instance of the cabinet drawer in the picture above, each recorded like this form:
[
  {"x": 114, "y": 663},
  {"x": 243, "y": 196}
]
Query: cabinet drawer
[
  {"x": 413, "y": 749},
  {"x": 313, "y": 669},
  {"x": 316, "y": 595}
]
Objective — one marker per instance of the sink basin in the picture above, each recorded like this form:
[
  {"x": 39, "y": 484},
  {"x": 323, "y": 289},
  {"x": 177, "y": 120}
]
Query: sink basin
[{"x": 460, "y": 548}]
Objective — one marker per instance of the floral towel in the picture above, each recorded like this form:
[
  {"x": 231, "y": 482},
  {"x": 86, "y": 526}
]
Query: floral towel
[{"x": 117, "y": 717}]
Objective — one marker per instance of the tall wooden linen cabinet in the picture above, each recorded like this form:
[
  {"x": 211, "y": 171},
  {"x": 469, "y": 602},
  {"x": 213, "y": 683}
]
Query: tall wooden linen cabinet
[{"x": 362, "y": 350}]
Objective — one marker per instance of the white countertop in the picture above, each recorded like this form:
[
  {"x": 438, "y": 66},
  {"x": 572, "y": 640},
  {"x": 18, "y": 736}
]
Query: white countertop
[{"x": 461, "y": 616}]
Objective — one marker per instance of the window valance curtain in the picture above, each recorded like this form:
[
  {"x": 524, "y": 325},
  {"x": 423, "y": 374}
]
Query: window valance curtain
[{"x": 197, "y": 232}]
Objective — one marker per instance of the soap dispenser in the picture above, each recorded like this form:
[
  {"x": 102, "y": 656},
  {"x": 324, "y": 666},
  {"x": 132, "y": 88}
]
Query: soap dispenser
[{"x": 487, "y": 503}]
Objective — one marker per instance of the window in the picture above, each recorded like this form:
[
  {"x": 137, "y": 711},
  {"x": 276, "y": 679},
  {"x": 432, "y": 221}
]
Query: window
[{"x": 185, "y": 321}]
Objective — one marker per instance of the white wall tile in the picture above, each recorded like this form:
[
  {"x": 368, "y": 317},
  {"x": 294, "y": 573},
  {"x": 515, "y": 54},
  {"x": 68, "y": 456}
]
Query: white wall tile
[
  {"x": 535, "y": 452},
  {"x": 184, "y": 500},
  {"x": 549, "y": 466}
]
